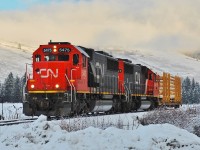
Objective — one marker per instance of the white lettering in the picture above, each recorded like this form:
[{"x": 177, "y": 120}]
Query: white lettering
[
  {"x": 101, "y": 67},
  {"x": 45, "y": 73}
]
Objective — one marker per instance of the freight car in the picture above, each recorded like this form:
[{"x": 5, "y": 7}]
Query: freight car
[{"x": 68, "y": 79}]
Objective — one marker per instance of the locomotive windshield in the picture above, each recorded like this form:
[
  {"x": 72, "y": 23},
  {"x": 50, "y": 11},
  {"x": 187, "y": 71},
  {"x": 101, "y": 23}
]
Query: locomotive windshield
[
  {"x": 56, "y": 58},
  {"x": 50, "y": 58},
  {"x": 63, "y": 57}
]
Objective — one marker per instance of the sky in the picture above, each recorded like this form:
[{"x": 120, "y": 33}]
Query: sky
[
  {"x": 125, "y": 24},
  {"x": 21, "y": 4}
]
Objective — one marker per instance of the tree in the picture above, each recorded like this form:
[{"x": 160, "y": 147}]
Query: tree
[
  {"x": 12, "y": 88},
  {"x": 190, "y": 91},
  {"x": 186, "y": 90},
  {"x": 196, "y": 93},
  {"x": 8, "y": 90},
  {"x": 0, "y": 89},
  {"x": 17, "y": 90}
]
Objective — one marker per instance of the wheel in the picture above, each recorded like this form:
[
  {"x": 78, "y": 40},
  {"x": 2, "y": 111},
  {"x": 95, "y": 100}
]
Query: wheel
[{"x": 27, "y": 110}]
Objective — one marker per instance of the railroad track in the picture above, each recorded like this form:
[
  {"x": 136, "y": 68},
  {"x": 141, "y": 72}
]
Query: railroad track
[
  {"x": 16, "y": 121},
  {"x": 20, "y": 121}
]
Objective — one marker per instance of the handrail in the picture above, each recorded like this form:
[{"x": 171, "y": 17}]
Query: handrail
[
  {"x": 70, "y": 85},
  {"x": 127, "y": 96},
  {"x": 74, "y": 91}
]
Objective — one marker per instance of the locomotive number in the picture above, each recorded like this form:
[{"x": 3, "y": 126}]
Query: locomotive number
[
  {"x": 47, "y": 50},
  {"x": 64, "y": 50}
]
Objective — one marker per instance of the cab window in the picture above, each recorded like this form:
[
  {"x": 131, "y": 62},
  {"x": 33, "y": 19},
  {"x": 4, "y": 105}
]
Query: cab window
[
  {"x": 75, "y": 59},
  {"x": 37, "y": 58},
  {"x": 63, "y": 57},
  {"x": 50, "y": 58}
]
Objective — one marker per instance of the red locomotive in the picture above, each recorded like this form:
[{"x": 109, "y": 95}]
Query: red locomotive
[{"x": 68, "y": 79}]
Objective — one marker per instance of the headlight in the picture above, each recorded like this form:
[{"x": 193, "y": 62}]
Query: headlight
[
  {"x": 32, "y": 86},
  {"x": 57, "y": 86},
  {"x": 54, "y": 48}
]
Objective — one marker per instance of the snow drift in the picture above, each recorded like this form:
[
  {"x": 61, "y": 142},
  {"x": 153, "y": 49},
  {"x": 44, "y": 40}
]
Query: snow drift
[{"x": 43, "y": 134}]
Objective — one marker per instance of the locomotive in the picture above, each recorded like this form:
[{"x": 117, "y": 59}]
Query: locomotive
[{"x": 68, "y": 79}]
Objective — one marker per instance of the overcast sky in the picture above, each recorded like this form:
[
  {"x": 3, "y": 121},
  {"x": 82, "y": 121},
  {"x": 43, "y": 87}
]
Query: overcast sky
[{"x": 130, "y": 24}]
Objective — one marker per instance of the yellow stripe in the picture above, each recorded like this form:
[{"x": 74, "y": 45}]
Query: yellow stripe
[
  {"x": 143, "y": 95},
  {"x": 82, "y": 92},
  {"x": 47, "y": 91},
  {"x": 105, "y": 93}
]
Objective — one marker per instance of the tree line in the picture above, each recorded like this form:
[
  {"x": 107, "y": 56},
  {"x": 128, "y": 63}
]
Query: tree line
[
  {"x": 190, "y": 91},
  {"x": 11, "y": 90}
]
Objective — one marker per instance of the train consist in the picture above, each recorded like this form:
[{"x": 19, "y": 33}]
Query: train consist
[{"x": 68, "y": 79}]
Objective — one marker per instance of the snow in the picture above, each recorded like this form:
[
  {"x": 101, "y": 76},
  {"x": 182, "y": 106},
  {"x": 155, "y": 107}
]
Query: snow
[
  {"x": 12, "y": 111},
  {"x": 175, "y": 62},
  {"x": 119, "y": 131},
  {"x": 43, "y": 134},
  {"x": 13, "y": 60}
]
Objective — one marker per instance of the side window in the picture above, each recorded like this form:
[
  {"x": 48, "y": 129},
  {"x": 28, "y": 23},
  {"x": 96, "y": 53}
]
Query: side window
[
  {"x": 112, "y": 64},
  {"x": 150, "y": 76},
  {"x": 84, "y": 61},
  {"x": 37, "y": 58},
  {"x": 75, "y": 59}
]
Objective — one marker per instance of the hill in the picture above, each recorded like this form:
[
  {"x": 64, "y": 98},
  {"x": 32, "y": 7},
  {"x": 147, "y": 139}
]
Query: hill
[
  {"x": 175, "y": 63},
  {"x": 14, "y": 56}
]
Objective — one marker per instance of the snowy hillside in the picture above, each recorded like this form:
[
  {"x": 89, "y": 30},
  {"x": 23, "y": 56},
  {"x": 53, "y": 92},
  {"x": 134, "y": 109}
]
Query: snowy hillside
[
  {"x": 13, "y": 59},
  {"x": 175, "y": 63},
  {"x": 14, "y": 56}
]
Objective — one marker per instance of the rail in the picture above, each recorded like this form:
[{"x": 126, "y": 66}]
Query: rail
[{"x": 16, "y": 121}]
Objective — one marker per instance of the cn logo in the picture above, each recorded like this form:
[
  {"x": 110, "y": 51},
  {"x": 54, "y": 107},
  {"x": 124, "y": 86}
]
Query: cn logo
[{"x": 45, "y": 73}]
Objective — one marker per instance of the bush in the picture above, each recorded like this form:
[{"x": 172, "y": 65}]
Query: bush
[
  {"x": 76, "y": 124},
  {"x": 177, "y": 117}
]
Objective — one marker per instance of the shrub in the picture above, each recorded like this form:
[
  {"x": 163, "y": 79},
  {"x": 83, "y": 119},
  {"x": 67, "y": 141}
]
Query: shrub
[
  {"x": 76, "y": 124},
  {"x": 177, "y": 117},
  {"x": 197, "y": 130}
]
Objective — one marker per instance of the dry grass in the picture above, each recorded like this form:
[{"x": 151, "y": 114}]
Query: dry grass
[{"x": 76, "y": 124}]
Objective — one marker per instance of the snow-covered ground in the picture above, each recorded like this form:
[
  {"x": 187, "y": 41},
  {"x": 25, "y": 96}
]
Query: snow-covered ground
[
  {"x": 120, "y": 131},
  {"x": 12, "y": 111},
  {"x": 43, "y": 134}
]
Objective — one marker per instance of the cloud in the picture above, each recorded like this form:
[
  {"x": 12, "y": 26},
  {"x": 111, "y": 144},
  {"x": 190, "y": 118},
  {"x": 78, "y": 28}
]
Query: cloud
[{"x": 132, "y": 24}]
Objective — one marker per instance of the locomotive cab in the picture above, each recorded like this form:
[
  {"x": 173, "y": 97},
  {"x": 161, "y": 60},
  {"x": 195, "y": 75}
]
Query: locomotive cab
[{"x": 57, "y": 68}]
